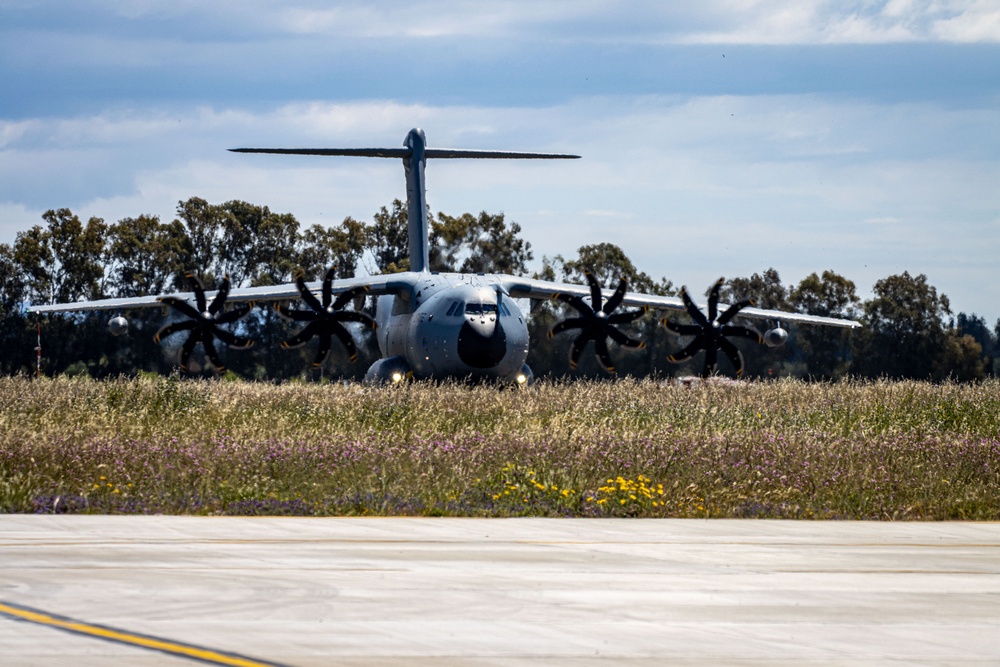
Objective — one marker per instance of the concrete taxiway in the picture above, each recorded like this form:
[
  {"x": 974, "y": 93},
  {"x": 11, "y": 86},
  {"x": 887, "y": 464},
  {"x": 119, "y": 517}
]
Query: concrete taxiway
[{"x": 89, "y": 590}]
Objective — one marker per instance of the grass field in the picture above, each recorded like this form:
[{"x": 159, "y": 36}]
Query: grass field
[{"x": 885, "y": 450}]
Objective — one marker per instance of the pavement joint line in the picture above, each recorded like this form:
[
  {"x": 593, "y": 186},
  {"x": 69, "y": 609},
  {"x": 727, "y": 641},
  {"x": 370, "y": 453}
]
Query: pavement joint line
[{"x": 170, "y": 647}]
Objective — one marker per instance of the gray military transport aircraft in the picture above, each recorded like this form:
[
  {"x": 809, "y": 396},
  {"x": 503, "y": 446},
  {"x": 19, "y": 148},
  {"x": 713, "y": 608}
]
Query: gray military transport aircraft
[{"x": 439, "y": 325}]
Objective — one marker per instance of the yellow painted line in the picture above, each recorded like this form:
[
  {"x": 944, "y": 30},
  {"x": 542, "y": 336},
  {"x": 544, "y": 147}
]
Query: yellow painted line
[{"x": 130, "y": 638}]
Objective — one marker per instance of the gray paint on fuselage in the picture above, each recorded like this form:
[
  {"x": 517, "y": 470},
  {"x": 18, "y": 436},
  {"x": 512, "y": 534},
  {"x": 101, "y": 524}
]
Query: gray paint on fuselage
[{"x": 426, "y": 327}]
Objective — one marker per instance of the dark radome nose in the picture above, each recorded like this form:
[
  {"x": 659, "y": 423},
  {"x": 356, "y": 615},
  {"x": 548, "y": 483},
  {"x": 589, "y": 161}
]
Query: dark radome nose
[{"x": 481, "y": 347}]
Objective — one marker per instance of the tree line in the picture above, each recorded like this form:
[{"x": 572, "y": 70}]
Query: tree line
[{"x": 909, "y": 329}]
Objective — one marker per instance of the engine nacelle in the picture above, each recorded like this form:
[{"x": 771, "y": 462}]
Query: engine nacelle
[
  {"x": 391, "y": 370},
  {"x": 118, "y": 326},
  {"x": 776, "y": 337}
]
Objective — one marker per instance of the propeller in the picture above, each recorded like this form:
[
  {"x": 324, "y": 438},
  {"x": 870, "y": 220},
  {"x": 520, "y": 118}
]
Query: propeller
[
  {"x": 204, "y": 322},
  {"x": 711, "y": 332},
  {"x": 597, "y": 323},
  {"x": 325, "y": 318}
]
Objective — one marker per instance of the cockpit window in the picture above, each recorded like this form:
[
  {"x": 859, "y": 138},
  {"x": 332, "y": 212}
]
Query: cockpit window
[
  {"x": 480, "y": 308},
  {"x": 455, "y": 308}
]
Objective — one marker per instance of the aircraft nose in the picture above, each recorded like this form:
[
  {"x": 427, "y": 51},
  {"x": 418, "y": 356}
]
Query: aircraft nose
[
  {"x": 483, "y": 326},
  {"x": 482, "y": 343}
]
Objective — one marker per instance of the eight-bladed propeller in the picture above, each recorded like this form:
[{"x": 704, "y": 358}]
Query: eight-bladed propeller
[
  {"x": 597, "y": 323},
  {"x": 710, "y": 332},
  {"x": 325, "y": 318},
  {"x": 204, "y": 322}
]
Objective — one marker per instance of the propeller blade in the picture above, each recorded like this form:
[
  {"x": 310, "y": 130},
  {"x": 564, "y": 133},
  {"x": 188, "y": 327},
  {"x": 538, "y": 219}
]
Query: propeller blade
[
  {"x": 188, "y": 348},
  {"x": 198, "y": 289},
  {"x": 624, "y": 340},
  {"x": 735, "y": 356},
  {"x": 616, "y": 298},
  {"x": 348, "y": 296},
  {"x": 182, "y": 306},
  {"x": 734, "y": 309},
  {"x": 565, "y": 325},
  {"x": 743, "y": 332},
  {"x": 172, "y": 328},
  {"x": 354, "y": 316},
  {"x": 693, "y": 348},
  {"x": 627, "y": 316},
  {"x": 713, "y": 300},
  {"x": 603, "y": 356},
  {"x": 328, "y": 288},
  {"x": 295, "y": 315},
  {"x": 307, "y": 295},
  {"x": 681, "y": 329},
  {"x": 237, "y": 313},
  {"x": 210, "y": 351},
  {"x": 693, "y": 312},
  {"x": 220, "y": 297},
  {"x": 302, "y": 337},
  {"x": 345, "y": 338},
  {"x": 595, "y": 290},
  {"x": 577, "y": 302},
  {"x": 711, "y": 359},
  {"x": 576, "y": 350},
  {"x": 323, "y": 351},
  {"x": 232, "y": 340}
]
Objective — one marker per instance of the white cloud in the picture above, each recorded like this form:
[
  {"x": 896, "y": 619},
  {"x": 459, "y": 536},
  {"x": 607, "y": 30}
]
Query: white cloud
[{"x": 836, "y": 22}]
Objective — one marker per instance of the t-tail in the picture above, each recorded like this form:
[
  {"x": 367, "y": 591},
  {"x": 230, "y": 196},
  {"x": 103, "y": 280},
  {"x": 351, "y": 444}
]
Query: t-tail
[{"x": 414, "y": 154}]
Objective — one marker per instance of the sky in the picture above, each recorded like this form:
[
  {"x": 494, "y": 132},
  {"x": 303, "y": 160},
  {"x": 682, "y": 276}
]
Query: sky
[{"x": 718, "y": 137}]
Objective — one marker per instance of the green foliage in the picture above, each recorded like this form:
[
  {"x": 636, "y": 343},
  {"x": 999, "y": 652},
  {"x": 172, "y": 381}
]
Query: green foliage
[
  {"x": 825, "y": 350},
  {"x": 63, "y": 260},
  {"x": 905, "y": 330},
  {"x": 484, "y": 244},
  {"x": 340, "y": 247},
  {"x": 908, "y": 331},
  {"x": 388, "y": 239},
  {"x": 145, "y": 256}
]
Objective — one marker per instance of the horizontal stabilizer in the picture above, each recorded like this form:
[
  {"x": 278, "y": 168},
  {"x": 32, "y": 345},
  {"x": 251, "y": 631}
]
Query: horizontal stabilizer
[
  {"x": 405, "y": 153},
  {"x": 500, "y": 155},
  {"x": 356, "y": 152}
]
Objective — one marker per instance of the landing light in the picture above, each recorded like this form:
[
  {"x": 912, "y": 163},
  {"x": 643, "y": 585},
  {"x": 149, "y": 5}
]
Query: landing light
[
  {"x": 397, "y": 377},
  {"x": 521, "y": 378}
]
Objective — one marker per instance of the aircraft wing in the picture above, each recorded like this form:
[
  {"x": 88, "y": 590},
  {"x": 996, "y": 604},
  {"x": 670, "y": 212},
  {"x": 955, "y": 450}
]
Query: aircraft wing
[
  {"x": 390, "y": 283},
  {"x": 531, "y": 288}
]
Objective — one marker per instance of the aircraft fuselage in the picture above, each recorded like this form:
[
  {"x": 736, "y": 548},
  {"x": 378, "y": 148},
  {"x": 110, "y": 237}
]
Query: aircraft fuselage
[{"x": 453, "y": 325}]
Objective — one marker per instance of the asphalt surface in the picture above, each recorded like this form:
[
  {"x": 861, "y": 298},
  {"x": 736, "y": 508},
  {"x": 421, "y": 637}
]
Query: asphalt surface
[{"x": 93, "y": 590}]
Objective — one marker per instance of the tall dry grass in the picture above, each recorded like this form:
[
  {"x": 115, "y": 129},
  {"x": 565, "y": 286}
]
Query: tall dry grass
[{"x": 858, "y": 450}]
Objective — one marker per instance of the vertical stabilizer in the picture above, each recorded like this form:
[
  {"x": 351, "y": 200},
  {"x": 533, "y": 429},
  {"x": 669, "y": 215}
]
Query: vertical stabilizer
[{"x": 416, "y": 206}]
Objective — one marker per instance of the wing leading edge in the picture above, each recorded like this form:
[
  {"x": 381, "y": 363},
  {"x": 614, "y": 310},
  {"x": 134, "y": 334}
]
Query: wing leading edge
[
  {"x": 392, "y": 283},
  {"x": 531, "y": 288}
]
